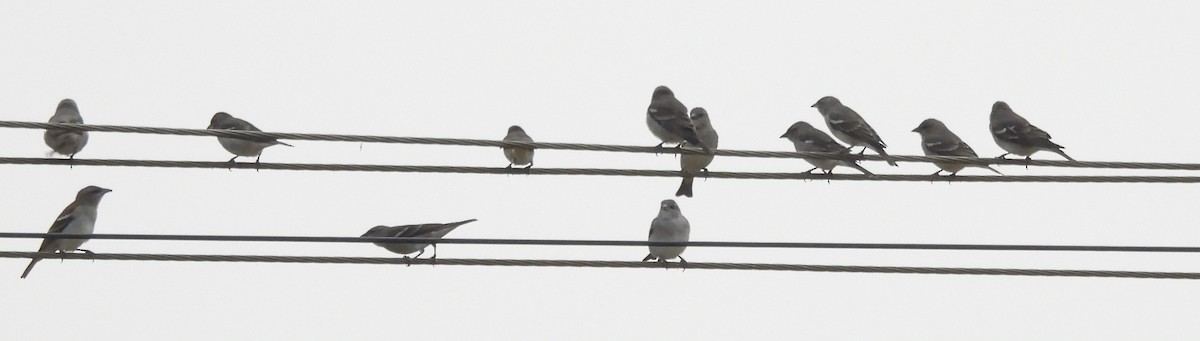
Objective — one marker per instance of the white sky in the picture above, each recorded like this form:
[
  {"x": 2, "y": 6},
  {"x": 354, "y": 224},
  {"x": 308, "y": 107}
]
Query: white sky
[{"x": 1111, "y": 81}]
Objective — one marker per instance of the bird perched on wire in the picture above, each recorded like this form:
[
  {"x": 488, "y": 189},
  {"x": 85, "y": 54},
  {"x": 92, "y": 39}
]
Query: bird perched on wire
[
  {"x": 78, "y": 218},
  {"x": 692, "y": 164},
  {"x": 937, "y": 140},
  {"x": 1015, "y": 135},
  {"x": 247, "y": 146},
  {"x": 806, "y": 138},
  {"x": 432, "y": 230},
  {"x": 668, "y": 120},
  {"x": 849, "y": 127},
  {"x": 669, "y": 226},
  {"x": 63, "y": 141},
  {"x": 518, "y": 156}
]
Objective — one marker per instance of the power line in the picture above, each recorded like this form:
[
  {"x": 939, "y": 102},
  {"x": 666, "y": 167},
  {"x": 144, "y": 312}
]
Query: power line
[
  {"x": 610, "y": 264},
  {"x": 559, "y": 242},
  {"x": 592, "y": 171},
  {"x": 588, "y": 147}
]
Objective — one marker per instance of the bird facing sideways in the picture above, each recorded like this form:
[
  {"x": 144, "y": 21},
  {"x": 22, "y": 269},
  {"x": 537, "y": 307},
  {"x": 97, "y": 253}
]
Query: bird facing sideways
[
  {"x": 848, "y": 126},
  {"x": 806, "y": 138},
  {"x": 79, "y": 217},
  {"x": 248, "y": 146},
  {"x": 937, "y": 140},
  {"x": 432, "y": 230},
  {"x": 668, "y": 226},
  {"x": 63, "y": 141},
  {"x": 518, "y": 156},
  {"x": 1015, "y": 135},
  {"x": 668, "y": 120},
  {"x": 692, "y": 164}
]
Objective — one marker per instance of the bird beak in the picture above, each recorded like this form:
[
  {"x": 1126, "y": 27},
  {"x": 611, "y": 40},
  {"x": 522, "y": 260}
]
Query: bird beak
[
  {"x": 916, "y": 129},
  {"x": 783, "y": 136},
  {"x": 813, "y": 106},
  {"x": 107, "y": 190}
]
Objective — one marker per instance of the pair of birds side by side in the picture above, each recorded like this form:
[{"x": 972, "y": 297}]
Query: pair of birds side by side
[
  {"x": 79, "y": 217},
  {"x": 669, "y": 121},
  {"x": 70, "y": 142}
]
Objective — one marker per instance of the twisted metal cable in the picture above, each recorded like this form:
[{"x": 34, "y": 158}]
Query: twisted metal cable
[
  {"x": 608, "y": 264},
  {"x": 590, "y": 147},
  {"x": 559, "y": 242},
  {"x": 593, "y": 171}
]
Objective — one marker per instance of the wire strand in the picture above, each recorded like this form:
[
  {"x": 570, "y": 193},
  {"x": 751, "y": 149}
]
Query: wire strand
[
  {"x": 609, "y": 264},
  {"x": 558, "y": 242},
  {"x": 589, "y": 147},
  {"x": 594, "y": 171}
]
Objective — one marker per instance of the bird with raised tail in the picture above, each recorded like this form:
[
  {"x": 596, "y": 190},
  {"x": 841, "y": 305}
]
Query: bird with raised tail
[
  {"x": 692, "y": 164},
  {"x": 1015, "y": 135},
  {"x": 849, "y": 127},
  {"x": 63, "y": 141},
  {"x": 518, "y": 156},
  {"x": 669, "y": 226},
  {"x": 78, "y": 218},
  {"x": 806, "y": 138},
  {"x": 250, "y": 146},
  {"x": 432, "y": 230},
  {"x": 937, "y": 140},
  {"x": 668, "y": 120}
]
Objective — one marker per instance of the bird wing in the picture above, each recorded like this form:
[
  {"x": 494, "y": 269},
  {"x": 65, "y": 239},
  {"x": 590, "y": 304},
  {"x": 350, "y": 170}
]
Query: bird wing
[
  {"x": 64, "y": 219},
  {"x": 848, "y": 122},
  {"x": 1023, "y": 134},
  {"x": 424, "y": 230}
]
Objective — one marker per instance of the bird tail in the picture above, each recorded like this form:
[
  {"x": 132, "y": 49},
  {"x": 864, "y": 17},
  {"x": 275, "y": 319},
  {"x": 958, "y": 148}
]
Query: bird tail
[
  {"x": 1060, "y": 152},
  {"x": 886, "y": 157},
  {"x": 992, "y": 169},
  {"x": 685, "y": 187},
  {"x": 282, "y": 143},
  {"x": 29, "y": 268},
  {"x": 457, "y": 224},
  {"x": 860, "y": 168},
  {"x": 695, "y": 140}
]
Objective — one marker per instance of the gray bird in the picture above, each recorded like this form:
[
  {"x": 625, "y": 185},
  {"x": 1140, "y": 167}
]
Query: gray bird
[
  {"x": 849, "y": 127},
  {"x": 78, "y": 218},
  {"x": 697, "y": 163},
  {"x": 668, "y": 120},
  {"x": 62, "y": 141},
  {"x": 1015, "y": 135},
  {"x": 669, "y": 226},
  {"x": 518, "y": 156},
  {"x": 432, "y": 230},
  {"x": 806, "y": 138},
  {"x": 937, "y": 140},
  {"x": 241, "y": 146}
]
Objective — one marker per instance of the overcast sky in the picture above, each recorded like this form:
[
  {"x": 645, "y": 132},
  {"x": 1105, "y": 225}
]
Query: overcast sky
[{"x": 1110, "y": 81}]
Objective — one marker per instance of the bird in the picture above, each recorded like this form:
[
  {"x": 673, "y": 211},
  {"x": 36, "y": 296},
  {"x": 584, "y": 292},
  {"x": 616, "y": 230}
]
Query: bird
[
  {"x": 669, "y": 226},
  {"x": 807, "y": 138},
  {"x": 696, "y": 163},
  {"x": 1015, "y": 135},
  {"x": 849, "y": 127},
  {"x": 518, "y": 156},
  {"x": 431, "y": 230},
  {"x": 63, "y": 141},
  {"x": 78, "y": 218},
  {"x": 668, "y": 120},
  {"x": 239, "y": 146},
  {"x": 937, "y": 140}
]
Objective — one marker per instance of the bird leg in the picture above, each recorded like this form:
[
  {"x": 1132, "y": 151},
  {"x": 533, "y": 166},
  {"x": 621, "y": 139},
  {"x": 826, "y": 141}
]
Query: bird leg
[
  {"x": 527, "y": 171},
  {"x": 1003, "y": 155},
  {"x": 809, "y": 172},
  {"x": 407, "y": 261},
  {"x": 89, "y": 253},
  {"x": 705, "y": 172},
  {"x": 256, "y": 162},
  {"x": 683, "y": 262},
  {"x": 939, "y": 172},
  {"x": 649, "y": 256}
]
